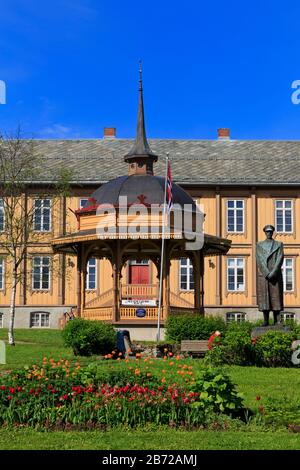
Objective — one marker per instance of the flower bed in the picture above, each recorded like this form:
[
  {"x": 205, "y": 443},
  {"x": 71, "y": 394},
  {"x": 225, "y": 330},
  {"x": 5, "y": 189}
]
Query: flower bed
[{"x": 66, "y": 394}]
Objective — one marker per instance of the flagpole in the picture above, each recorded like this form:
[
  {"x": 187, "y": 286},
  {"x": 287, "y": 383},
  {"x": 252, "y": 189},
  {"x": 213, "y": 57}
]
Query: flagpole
[{"x": 162, "y": 254}]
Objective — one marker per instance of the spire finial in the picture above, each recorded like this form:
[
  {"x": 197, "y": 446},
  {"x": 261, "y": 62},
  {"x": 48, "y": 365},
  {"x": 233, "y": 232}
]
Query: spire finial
[
  {"x": 140, "y": 151},
  {"x": 141, "y": 75}
]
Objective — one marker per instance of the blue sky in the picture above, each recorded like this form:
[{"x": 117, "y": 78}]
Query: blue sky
[{"x": 71, "y": 67}]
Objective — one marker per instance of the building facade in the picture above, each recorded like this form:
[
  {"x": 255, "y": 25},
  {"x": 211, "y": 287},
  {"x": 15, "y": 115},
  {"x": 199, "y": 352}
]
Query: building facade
[{"x": 240, "y": 185}]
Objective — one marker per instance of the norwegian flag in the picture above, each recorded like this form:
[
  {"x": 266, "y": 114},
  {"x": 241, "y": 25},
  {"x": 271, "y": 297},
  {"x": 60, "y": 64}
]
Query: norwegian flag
[{"x": 169, "y": 189}]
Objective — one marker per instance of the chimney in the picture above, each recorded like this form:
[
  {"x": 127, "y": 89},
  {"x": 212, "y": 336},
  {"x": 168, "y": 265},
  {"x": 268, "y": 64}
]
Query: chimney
[
  {"x": 224, "y": 133},
  {"x": 110, "y": 132}
]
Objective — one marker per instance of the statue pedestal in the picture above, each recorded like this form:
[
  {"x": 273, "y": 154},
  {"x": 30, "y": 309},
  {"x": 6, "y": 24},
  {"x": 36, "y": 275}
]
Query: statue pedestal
[{"x": 262, "y": 330}]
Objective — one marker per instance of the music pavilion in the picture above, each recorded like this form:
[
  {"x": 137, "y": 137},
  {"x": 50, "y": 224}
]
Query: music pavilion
[{"x": 124, "y": 222}]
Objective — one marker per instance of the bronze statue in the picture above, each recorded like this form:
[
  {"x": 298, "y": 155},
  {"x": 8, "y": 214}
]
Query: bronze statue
[{"x": 269, "y": 258}]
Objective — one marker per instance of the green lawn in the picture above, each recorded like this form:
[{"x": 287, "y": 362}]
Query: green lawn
[
  {"x": 32, "y": 345},
  {"x": 150, "y": 440},
  {"x": 272, "y": 385}
]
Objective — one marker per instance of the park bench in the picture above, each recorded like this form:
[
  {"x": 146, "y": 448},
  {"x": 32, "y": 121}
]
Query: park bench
[{"x": 194, "y": 347}]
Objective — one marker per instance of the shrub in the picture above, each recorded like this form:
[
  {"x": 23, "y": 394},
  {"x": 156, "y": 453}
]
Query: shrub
[
  {"x": 235, "y": 348},
  {"x": 87, "y": 337},
  {"x": 218, "y": 392},
  {"x": 273, "y": 349},
  {"x": 181, "y": 327}
]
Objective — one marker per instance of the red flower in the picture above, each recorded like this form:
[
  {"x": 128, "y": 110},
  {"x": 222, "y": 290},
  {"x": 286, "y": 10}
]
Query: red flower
[
  {"x": 65, "y": 397},
  {"x": 20, "y": 389},
  {"x": 9, "y": 397},
  {"x": 12, "y": 390},
  {"x": 258, "y": 397},
  {"x": 3, "y": 387},
  {"x": 31, "y": 391}
]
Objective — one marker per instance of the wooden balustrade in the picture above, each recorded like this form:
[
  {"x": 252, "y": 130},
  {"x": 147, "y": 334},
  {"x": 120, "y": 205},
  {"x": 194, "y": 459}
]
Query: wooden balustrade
[
  {"x": 139, "y": 291},
  {"x": 98, "y": 313},
  {"x": 129, "y": 313}
]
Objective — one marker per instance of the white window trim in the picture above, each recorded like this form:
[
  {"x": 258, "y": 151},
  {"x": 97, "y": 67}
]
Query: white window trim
[
  {"x": 235, "y": 216},
  {"x": 40, "y": 319},
  {"x": 88, "y": 275},
  {"x": 82, "y": 199},
  {"x": 284, "y": 268},
  {"x": 283, "y": 209},
  {"x": 188, "y": 277},
  {"x": 236, "y": 267},
  {"x": 283, "y": 316},
  {"x": 235, "y": 317},
  {"x": 41, "y": 230},
  {"x": 2, "y": 259},
  {"x": 41, "y": 289}
]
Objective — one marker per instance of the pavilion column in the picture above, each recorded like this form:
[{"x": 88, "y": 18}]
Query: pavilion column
[
  {"x": 79, "y": 279},
  {"x": 197, "y": 280},
  {"x": 83, "y": 279},
  {"x": 201, "y": 281},
  {"x": 116, "y": 268}
]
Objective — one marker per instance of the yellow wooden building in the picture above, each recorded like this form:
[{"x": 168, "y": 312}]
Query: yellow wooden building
[{"x": 241, "y": 186}]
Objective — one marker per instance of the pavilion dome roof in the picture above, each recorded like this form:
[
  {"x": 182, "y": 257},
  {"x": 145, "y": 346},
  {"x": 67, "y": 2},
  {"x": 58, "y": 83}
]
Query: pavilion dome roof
[{"x": 139, "y": 189}]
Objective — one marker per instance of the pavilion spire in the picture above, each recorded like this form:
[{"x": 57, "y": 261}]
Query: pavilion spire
[{"x": 141, "y": 152}]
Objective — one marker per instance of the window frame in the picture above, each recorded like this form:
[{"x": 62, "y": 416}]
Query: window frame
[
  {"x": 83, "y": 199},
  {"x": 284, "y": 209},
  {"x": 39, "y": 313},
  {"x": 236, "y": 267},
  {"x": 235, "y": 319},
  {"x": 235, "y": 209},
  {"x": 284, "y": 269},
  {"x": 41, "y": 265},
  {"x": 87, "y": 277},
  {"x": 42, "y": 208},
  {"x": 284, "y": 314},
  {"x": 189, "y": 275}
]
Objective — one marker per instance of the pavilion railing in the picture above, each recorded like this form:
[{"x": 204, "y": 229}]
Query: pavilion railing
[
  {"x": 139, "y": 291},
  {"x": 98, "y": 313},
  {"x": 151, "y": 313}
]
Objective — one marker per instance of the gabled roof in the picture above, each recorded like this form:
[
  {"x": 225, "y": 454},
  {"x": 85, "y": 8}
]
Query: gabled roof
[{"x": 254, "y": 162}]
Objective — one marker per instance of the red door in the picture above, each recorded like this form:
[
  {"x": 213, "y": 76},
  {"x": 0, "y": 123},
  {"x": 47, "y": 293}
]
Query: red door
[{"x": 139, "y": 274}]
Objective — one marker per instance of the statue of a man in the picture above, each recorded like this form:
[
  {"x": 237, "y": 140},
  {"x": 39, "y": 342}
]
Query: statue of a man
[{"x": 269, "y": 258}]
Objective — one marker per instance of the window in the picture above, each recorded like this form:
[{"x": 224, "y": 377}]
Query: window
[
  {"x": 42, "y": 215},
  {"x": 41, "y": 273},
  {"x": 284, "y": 216},
  {"x": 91, "y": 274},
  {"x": 1, "y": 273},
  {"x": 239, "y": 317},
  {"x": 288, "y": 274},
  {"x": 186, "y": 274},
  {"x": 2, "y": 216},
  {"x": 287, "y": 316},
  {"x": 39, "y": 320},
  {"x": 235, "y": 216},
  {"x": 83, "y": 203},
  {"x": 1, "y": 320},
  {"x": 236, "y": 274},
  {"x": 140, "y": 262}
]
